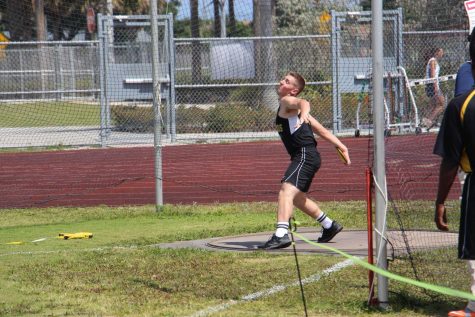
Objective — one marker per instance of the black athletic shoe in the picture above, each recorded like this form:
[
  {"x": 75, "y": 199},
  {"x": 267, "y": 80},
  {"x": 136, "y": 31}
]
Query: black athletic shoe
[
  {"x": 276, "y": 243},
  {"x": 329, "y": 233}
]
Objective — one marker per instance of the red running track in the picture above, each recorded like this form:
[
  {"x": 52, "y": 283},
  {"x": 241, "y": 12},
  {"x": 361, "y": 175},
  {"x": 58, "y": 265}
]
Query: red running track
[{"x": 206, "y": 173}]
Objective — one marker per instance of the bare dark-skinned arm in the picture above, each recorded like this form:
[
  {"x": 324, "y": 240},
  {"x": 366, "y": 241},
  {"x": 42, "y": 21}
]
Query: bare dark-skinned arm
[{"x": 447, "y": 173}]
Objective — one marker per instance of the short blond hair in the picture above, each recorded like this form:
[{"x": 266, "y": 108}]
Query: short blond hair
[{"x": 300, "y": 81}]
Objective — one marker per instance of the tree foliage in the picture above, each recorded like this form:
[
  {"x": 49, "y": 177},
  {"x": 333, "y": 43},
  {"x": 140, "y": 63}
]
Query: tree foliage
[
  {"x": 431, "y": 15},
  {"x": 302, "y": 17},
  {"x": 295, "y": 17},
  {"x": 66, "y": 18}
]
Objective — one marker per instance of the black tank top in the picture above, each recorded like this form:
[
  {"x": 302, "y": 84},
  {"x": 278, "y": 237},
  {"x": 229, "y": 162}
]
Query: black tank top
[{"x": 301, "y": 137}]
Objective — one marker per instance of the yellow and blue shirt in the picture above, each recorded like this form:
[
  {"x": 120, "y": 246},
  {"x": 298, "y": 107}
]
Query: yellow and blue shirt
[{"x": 456, "y": 138}]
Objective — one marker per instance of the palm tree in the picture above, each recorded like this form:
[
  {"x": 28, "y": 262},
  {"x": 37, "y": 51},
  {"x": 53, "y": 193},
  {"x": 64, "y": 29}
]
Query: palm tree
[
  {"x": 217, "y": 17},
  {"x": 132, "y": 7},
  {"x": 264, "y": 10},
  {"x": 143, "y": 6},
  {"x": 256, "y": 17},
  {"x": 232, "y": 19},
  {"x": 195, "y": 45},
  {"x": 40, "y": 20},
  {"x": 19, "y": 16}
]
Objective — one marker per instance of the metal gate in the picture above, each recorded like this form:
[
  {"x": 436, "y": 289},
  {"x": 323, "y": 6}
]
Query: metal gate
[
  {"x": 126, "y": 76},
  {"x": 351, "y": 54}
]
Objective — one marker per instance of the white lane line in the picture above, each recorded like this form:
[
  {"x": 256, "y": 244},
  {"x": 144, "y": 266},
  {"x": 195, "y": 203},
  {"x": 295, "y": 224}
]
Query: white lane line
[{"x": 274, "y": 289}]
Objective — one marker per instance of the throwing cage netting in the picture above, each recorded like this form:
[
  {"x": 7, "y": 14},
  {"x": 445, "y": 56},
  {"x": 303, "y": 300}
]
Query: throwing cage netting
[{"x": 77, "y": 76}]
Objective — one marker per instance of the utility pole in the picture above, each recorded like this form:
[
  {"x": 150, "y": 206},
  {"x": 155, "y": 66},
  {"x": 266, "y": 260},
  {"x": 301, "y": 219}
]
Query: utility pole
[
  {"x": 157, "y": 139},
  {"x": 379, "y": 155}
]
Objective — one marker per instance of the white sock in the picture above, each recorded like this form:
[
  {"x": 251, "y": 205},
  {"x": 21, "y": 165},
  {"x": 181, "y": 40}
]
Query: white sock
[
  {"x": 325, "y": 221},
  {"x": 282, "y": 229}
]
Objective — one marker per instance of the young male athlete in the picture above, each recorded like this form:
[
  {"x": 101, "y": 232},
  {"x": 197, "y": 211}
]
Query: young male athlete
[{"x": 296, "y": 126}]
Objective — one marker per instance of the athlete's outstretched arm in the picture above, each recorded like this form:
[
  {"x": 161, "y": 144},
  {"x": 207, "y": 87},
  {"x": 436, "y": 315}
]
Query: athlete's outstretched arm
[{"x": 328, "y": 136}]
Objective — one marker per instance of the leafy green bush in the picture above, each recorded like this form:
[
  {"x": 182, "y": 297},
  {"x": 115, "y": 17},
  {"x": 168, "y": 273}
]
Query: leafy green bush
[
  {"x": 239, "y": 118},
  {"x": 248, "y": 95},
  {"x": 264, "y": 118},
  {"x": 319, "y": 104},
  {"x": 132, "y": 118},
  {"x": 229, "y": 117},
  {"x": 190, "y": 119}
]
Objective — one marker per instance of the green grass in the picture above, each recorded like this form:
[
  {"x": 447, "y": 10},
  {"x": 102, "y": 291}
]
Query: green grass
[
  {"x": 47, "y": 114},
  {"x": 121, "y": 271}
]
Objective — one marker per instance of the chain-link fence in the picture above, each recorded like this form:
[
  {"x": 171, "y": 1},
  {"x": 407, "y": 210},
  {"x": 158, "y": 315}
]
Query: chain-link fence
[
  {"x": 212, "y": 88},
  {"x": 126, "y": 72},
  {"x": 99, "y": 93},
  {"x": 49, "y": 70},
  {"x": 418, "y": 47},
  {"x": 235, "y": 89},
  {"x": 49, "y": 94}
]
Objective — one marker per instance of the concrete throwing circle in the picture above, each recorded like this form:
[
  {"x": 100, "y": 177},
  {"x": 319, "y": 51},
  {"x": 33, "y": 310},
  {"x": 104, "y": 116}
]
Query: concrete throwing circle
[{"x": 354, "y": 242}]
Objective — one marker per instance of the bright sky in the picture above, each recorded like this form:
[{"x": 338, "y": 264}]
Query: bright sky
[{"x": 242, "y": 9}]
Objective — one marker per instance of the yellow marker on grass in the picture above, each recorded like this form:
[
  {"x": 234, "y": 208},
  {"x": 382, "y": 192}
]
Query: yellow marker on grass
[
  {"x": 15, "y": 242},
  {"x": 77, "y": 235}
]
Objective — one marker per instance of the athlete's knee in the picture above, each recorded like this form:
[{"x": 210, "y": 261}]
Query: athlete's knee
[
  {"x": 300, "y": 200},
  {"x": 285, "y": 190}
]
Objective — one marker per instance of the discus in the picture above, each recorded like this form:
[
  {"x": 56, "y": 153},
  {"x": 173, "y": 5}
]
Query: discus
[{"x": 340, "y": 154}]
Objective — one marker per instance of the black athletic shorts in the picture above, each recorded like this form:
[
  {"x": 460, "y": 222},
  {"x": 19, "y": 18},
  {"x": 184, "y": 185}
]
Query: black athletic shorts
[
  {"x": 303, "y": 166},
  {"x": 466, "y": 245}
]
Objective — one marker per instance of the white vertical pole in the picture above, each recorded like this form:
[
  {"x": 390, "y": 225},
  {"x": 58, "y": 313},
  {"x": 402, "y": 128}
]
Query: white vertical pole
[
  {"x": 379, "y": 155},
  {"x": 157, "y": 142}
]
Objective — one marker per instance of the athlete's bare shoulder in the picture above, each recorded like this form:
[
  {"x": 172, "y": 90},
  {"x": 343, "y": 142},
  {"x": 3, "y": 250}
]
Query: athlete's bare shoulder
[{"x": 290, "y": 102}]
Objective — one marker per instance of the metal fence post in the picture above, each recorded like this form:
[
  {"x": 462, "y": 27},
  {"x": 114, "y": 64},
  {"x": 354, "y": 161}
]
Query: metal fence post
[
  {"x": 157, "y": 142},
  {"x": 102, "y": 79},
  {"x": 379, "y": 151}
]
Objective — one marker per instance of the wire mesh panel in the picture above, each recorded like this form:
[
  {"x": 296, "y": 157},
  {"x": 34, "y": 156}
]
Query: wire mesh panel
[
  {"x": 420, "y": 251},
  {"x": 49, "y": 87},
  {"x": 419, "y": 47},
  {"x": 48, "y": 70},
  {"x": 231, "y": 91},
  {"x": 65, "y": 83},
  {"x": 352, "y": 67},
  {"x": 126, "y": 65}
]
